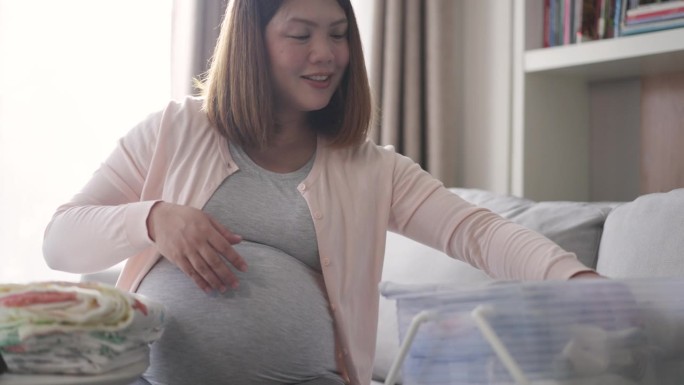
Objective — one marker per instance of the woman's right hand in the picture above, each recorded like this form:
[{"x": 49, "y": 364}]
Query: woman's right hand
[{"x": 195, "y": 242}]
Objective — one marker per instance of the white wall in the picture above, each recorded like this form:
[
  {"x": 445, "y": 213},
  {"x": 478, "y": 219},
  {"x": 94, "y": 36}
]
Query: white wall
[
  {"x": 614, "y": 140},
  {"x": 486, "y": 124}
]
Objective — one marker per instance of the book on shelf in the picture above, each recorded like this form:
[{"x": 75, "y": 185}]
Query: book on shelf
[
  {"x": 654, "y": 8},
  {"x": 633, "y": 29},
  {"x": 578, "y": 21},
  {"x": 645, "y": 16}
]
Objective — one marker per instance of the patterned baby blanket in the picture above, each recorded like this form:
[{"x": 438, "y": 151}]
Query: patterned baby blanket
[{"x": 75, "y": 328}]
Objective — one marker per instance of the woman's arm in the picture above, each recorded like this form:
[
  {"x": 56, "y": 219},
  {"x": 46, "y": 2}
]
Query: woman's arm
[
  {"x": 119, "y": 212},
  {"x": 105, "y": 222},
  {"x": 424, "y": 210}
]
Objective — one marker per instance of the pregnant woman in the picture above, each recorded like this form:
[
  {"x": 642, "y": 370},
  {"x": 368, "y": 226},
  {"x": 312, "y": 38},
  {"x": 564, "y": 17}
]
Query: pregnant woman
[{"x": 256, "y": 212}]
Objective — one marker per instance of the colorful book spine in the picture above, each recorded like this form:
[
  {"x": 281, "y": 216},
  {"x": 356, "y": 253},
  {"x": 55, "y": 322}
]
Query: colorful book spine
[
  {"x": 654, "y": 7},
  {"x": 577, "y": 21},
  {"x": 546, "y": 38},
  {"x": 655, "y": 15},
  {"x": 651, "y": 27},
  {"x": 641, "y": 18},
  {"x": 617, "y": 17},
  {"x": 552, "y": 23}
]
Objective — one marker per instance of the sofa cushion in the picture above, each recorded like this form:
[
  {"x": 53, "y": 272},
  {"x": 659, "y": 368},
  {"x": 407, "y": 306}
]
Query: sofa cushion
[
  {"x": 645, "y": 238},
  {"x": 575, "y": 226}
]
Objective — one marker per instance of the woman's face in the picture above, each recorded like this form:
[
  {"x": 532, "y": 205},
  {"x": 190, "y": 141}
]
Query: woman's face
[{"x": 306, "y": 41}]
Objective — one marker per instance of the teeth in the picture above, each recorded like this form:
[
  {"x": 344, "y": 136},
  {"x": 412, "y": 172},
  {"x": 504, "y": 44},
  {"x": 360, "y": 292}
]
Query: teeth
[{"x": 318, "y": 78}]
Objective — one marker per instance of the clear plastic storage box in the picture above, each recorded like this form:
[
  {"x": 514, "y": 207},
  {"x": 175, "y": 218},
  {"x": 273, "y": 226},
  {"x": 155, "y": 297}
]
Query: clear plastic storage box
[{"x": 591, "y": 331}]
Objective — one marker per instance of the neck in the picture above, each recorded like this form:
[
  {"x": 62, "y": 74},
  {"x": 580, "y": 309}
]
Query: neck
[
  {"x": 291, "y": 147},
  {"x": 291, "y": 123}
]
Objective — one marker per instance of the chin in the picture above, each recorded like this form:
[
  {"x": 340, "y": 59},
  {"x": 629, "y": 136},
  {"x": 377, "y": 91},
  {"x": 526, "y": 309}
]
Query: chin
[
  {"x": 311, "y": 107},
  {"x": 316, "y": 108}
]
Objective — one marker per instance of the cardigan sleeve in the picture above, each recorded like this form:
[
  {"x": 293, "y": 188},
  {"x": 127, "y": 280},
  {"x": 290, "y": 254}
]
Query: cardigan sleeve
[
  {"x": 424, "y": 210},
  {"x": 105, "y": 223}
]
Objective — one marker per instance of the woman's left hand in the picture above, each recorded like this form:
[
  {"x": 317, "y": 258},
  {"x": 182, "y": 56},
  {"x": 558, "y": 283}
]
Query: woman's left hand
[{"x": 587, "y": 274}]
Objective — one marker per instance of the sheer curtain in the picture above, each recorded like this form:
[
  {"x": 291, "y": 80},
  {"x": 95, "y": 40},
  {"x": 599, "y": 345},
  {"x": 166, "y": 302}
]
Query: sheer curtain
[
  {"x": 415, "y": 81},
  {"x": 75, "y": 75},
  {"x": 196, "y": 26}
]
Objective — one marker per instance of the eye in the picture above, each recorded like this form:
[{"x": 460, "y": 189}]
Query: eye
[
  {"x": 299, "y": 37},
  {"x": 339, "y": 35}
]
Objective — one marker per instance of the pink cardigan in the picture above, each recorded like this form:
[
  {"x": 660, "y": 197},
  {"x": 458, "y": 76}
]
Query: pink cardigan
[{"x": 355, "y": 195}]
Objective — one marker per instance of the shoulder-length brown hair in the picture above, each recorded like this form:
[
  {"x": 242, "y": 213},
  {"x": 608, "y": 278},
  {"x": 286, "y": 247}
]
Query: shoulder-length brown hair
[{"x": 237, "y": 89}]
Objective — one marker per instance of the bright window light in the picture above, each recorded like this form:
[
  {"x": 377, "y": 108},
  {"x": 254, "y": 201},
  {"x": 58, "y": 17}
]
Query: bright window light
[{"x": 75, "y": 75}]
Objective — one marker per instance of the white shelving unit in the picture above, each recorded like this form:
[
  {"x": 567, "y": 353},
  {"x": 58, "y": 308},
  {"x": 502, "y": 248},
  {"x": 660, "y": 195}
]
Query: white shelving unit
[{"x": 553, "y": 108}]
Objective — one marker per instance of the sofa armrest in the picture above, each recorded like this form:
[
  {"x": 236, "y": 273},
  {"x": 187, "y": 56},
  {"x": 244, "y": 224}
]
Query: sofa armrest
[{"x": 645, "y": 238}]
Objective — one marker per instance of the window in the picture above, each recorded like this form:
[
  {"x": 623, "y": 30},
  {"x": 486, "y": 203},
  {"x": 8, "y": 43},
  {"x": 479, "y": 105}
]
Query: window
[
  {"x": 364, "y": 11},
  {"x": 75, "y": 75}
]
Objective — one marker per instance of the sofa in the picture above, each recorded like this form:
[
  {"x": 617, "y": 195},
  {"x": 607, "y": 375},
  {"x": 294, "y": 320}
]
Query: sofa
[
  {"x": 641, "y": 238},
  {"x": 637, "y": 239}
]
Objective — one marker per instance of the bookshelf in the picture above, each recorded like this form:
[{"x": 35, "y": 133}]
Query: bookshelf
[{"x": 557, "y": 112}]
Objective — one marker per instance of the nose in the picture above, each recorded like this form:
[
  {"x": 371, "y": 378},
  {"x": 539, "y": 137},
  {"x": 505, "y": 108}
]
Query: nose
[{"x": 322, "y": 50}]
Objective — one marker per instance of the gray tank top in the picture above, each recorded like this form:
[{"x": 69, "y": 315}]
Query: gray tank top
[{"x": 276, "y": 328}]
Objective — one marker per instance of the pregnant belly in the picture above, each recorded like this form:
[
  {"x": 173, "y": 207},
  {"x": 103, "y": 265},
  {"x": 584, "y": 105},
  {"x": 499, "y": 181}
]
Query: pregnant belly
[{"x": 275, "y": 328}]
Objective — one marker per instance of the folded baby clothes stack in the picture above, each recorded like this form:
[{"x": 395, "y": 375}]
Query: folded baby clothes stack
[{"x": 75, "y": 328}]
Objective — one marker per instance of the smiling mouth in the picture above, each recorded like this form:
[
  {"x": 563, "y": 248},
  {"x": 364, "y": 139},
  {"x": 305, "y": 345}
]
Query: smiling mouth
[{"x": 318, "y": 78}]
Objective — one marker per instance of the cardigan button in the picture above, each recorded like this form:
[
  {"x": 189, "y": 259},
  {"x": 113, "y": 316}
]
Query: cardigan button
[
  {"x": 326, "y": 261},
  {"x": 301, "y": 187},
  {"x": 318, "y": 215}
]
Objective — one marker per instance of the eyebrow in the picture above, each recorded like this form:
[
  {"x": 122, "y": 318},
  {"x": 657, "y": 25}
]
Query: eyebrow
[{"x": 314, "y": 24}]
